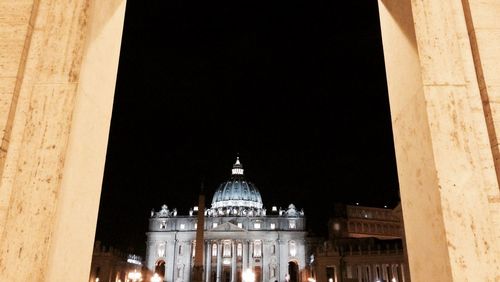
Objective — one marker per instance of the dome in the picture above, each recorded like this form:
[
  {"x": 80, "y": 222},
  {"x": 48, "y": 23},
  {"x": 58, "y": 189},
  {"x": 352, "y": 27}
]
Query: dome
[{"x": 237, "y": 192}]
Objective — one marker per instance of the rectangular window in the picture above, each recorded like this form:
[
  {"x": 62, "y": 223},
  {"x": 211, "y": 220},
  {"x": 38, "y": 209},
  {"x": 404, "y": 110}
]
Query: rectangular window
[
  {"x": 292, "y": 224},
  {"x": 273, "y": 226},
  {"x": 163, "y": 225},
  {"x": 183, "y": 226},
  {"x": 256, "y": 225},
  {"x": 195, "y": 225},
  {"x": 257, "y": 248},
  {"x": 240, "y": 225},
  {"x": 330, "y": 273},
  {"x": 214, "y": 224}
]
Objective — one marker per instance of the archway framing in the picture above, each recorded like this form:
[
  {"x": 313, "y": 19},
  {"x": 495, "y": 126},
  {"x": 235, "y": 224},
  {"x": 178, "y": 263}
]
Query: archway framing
[{"x": 444, "y": 89}]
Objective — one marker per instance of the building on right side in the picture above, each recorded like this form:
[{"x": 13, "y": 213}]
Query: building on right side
[{"x": 365, "y": 244}]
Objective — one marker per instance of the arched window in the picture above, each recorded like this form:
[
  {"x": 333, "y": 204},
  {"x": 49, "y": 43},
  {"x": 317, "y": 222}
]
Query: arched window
[
  {"x": 257, "y": 248},
  {"x": 226, "y": 250},
  {"x": 293, "y": 271},
  {"x": 214, "y": 250},
  {"x": 160, "y": 268},
  {"x": 292, "y": 247},
  {"x": 239, "y": 250},
  {"x": 161, "y": 249}
]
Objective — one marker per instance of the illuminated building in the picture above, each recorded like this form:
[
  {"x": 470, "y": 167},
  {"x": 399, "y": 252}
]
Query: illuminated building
[
  {"x": 239, "y": 234},
  {"x": 365, "y": 244}
]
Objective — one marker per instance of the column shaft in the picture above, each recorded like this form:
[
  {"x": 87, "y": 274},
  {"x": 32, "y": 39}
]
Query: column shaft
[
  {"x": 233, "y": 262},
  {"x": 219, "y": 260}
]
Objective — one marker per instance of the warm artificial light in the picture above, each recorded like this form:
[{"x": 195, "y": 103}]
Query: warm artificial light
[{"x": 156, "y": 278}]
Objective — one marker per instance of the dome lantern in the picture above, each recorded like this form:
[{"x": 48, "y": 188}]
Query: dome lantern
[{"x": 237, "y": 167}]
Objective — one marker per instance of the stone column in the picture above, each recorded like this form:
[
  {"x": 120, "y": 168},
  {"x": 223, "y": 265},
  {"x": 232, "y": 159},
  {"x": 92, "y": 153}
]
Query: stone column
[
  {"x": 171, "y": 256},
  {"x": 283, "y": 257},
  {"x": 250, "y": 254},
  {"x": 151, "y": 253},
  {"x": 219, "y": 260},
  {"x": 245, "y": 255},
  {"x": 233, "y": 261},
  {"x": 449, "y": 174},
  {"x": 208, "y": 259},
  {"x": 403, "y": 273},
  {"x": 58, "y": 72}
]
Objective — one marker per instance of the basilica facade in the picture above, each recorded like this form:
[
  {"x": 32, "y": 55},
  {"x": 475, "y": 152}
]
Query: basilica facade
[{"x": 239, "y": 235}]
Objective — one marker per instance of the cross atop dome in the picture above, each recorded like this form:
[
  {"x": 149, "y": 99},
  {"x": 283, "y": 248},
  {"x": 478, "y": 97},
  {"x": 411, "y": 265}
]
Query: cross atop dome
[{"x": 237, "y": 167}]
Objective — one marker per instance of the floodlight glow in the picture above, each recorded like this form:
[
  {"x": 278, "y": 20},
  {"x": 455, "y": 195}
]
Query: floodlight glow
[
  {"x": 248, "y": 276},
  {"x": 156, "y": 278}
]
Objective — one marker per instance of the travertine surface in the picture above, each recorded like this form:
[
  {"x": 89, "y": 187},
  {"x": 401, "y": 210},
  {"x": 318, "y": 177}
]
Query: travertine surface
[
  {"x": 58, "y": 70},
  {"x": 445, "y": 158},
  {"x": 482, "y": 19}
]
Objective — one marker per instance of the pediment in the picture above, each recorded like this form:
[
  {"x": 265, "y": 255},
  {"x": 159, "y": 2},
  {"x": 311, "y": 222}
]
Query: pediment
[{"x": 227, "y": 226}]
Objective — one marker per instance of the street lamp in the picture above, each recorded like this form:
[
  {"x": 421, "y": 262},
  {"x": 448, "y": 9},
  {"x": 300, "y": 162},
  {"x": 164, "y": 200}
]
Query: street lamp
[
  {"x": 248, "y": 276},
  {"x": 156, "y": 278},
  {"x": 135, "y": 276}
]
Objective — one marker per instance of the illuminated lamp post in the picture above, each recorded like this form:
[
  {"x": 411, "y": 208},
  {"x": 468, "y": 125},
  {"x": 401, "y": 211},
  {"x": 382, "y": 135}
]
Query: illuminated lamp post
[{"x": 134, "y": 276}]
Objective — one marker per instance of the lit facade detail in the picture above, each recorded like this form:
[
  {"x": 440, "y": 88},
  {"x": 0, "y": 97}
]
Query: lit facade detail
[
  {"x": 239, "y": 250},
  {"x": 236, "y": 236},
  {"x": 365, "y": 244},
  {"x": 257, "y": 249},
  {"x": 293, "y": 248},
  {"x": 226, "y": 249},
  {"x": 214, "y": 250}
]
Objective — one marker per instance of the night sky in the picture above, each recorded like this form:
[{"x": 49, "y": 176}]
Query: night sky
[{"x": 297, "y": 89}]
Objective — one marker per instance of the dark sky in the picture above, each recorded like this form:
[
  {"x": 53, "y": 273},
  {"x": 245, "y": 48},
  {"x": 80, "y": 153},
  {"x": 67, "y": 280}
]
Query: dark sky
[{"x": 298, "y": 89}]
